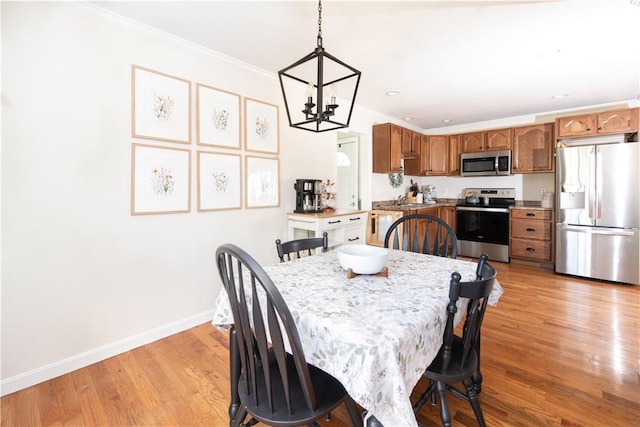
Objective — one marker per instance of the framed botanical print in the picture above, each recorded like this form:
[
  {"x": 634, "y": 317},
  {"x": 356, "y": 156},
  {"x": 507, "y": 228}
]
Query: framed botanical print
[
  {"x": 160, "y": 179},
  {"x": 161, "y": 106},
  {"x": 261, "y": 129},
  {"x": 217, "y": 117},
  {"x": 262, "y": 182},
  {"x": 219, "y": 181}
]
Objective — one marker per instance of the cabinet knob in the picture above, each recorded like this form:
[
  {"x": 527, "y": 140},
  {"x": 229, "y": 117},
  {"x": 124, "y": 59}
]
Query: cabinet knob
[
  {"x": 531, "y": 250},
  {"x": 530, "y": 214},
  {"x": 531, "y": 229}
]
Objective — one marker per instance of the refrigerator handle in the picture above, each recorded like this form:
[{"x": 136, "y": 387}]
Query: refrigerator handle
[
  {"x": 593, "y": 157},
  {"x": 598, "y": 186}
]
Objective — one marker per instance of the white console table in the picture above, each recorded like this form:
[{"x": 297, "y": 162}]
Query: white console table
[{"x": 342, "y": 226}]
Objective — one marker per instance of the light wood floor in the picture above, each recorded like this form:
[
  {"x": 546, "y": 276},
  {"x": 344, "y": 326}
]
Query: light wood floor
[{"x": 557, "y": 351}]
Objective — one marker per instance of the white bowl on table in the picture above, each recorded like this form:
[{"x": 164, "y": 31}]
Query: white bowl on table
[{"x": 363, "y": 259}]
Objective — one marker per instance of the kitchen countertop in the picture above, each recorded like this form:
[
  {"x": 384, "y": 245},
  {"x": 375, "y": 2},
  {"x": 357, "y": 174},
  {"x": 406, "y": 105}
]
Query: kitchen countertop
[
  {"x": 328, "y": 213},
  {"x": 390, "y": 205}
]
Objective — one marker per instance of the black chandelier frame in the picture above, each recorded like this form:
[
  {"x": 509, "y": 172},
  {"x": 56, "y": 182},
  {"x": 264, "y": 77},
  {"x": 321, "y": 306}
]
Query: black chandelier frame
[{"x": 324, "y": 117}]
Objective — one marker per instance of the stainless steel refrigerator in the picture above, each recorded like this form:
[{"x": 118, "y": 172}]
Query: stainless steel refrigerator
[{"x": 597, "y": 212}]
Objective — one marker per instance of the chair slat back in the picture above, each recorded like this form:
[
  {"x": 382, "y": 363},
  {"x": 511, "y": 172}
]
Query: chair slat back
[
  {"x": 422, "y": 233},
  {"x": 301, "y": 246},
  {"x": 477, "y": 291},
  {"x": 253, "y": 298}
]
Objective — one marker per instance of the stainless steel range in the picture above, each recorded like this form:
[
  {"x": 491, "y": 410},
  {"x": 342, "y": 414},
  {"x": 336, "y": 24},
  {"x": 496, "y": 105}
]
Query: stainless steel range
[{"x": 482, "y": 222}]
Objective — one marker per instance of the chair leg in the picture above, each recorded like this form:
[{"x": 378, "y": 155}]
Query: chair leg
[
  {"x": 473, "y": 399},
  {"x": 239, "y": 417},
  {"x": 445, "y": 415},
  {"x": 354, "y": 414},
  {"x": 423, "y": 398},
  {"x": 477, "y": 375}
]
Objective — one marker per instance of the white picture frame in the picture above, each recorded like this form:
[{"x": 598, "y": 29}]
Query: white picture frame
[
  {"x": 262, "y": 183},
  {"x": 261, "y": 126},
  {"x": 219, "y": 181},
  {"x": 217, "y": 117},
  {"x": 160, "y": 179},
  {"x": 161, "y": 106}
]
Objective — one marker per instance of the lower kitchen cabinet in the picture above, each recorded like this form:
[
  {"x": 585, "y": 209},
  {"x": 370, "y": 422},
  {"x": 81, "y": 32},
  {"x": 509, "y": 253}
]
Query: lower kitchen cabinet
[
  {"x": 447, "y": 213},
  {"x": 531, "y": 234},
  {"x": 342, "y": 227}
]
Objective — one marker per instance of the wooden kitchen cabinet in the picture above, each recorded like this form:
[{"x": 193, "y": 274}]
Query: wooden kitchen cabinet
[
  {"x": 499, "y": 139},
  {"x": 453, "y": 166},
  {"x": 492, "y": 140},
  {"x": 531, "y": 235},
  {"x": 386, "y": 147},
  {"x": 410, "y": 143},
  {"x": 533, "y": 149},
  {"x": 433, "y": 156},
  {"x": 620, "y": 121},
  {"x": 448, "y": 214},
  {"x": 609, "y": 122},
  {"x": 473, "y": 142}
]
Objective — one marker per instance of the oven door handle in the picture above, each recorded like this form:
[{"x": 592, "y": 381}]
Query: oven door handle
[{"x": 467, "y": 208}]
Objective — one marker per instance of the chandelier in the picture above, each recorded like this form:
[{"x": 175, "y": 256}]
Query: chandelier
[{"x": 327, "y": 80}]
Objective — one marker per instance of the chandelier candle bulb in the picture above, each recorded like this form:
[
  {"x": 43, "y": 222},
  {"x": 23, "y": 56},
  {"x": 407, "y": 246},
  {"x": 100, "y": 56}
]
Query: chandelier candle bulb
[{"x": 309, "y": 94}]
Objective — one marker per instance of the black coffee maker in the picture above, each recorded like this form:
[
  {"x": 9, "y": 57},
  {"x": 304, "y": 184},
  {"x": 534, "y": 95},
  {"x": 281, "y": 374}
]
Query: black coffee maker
[{"x": 308, "y": 195}]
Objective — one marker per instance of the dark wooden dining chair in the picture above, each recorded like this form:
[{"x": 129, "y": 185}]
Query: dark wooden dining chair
[
  {"x": 274, "y": 386},
  {"x": 422, "y": 233},
  {"x": 458, "y": 358},
  {"x": 301, "y": 246}
]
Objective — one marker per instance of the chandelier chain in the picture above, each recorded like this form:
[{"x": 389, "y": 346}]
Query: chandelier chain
[{"x": 319, "y": 23}]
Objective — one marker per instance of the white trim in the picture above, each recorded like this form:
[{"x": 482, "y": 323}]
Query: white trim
[{"x": 52, "y": 370}]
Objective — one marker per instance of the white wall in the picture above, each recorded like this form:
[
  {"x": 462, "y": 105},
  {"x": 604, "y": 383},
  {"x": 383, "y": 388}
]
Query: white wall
[{"x": 82, "y": 279}]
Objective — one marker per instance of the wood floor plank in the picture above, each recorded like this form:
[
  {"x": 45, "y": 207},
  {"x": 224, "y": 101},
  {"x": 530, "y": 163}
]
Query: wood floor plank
[{"x": 556, "y": 351}]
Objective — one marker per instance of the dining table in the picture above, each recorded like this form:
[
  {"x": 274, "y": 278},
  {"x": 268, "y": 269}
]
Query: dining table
[{"x": 375, "y": 334}]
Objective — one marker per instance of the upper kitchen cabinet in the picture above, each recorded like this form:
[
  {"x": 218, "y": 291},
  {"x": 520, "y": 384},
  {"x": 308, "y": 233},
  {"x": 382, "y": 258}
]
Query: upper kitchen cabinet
[
  {"x": 453, "y": 167},
  {"x": 499, "y": 139},
  {"x": 473, "y": 142},
  {"x": 533, "y": 149},
  {"x": 433, "y": 156},
  {"x": 387, "y": 148},
  {"x": 410, "y": 144},
  {"x": 609, "y": 122},
  {"x": 492, "y": 140}
]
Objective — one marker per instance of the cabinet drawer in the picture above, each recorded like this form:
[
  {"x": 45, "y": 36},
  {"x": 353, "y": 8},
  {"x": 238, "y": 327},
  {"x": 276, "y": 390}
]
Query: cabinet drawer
[
  {"x": 531, "y": 249},
  {"x": 531, "y": 214},
  {"x": 538, "y": 230},
  {"x": 342, "y": 221},
  {"x": 353, "y": 235}
]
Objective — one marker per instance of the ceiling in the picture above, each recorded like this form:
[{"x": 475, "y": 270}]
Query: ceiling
[{"x": 463, "y": 61}]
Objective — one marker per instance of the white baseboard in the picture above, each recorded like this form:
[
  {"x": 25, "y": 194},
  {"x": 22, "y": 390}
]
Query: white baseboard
[{"x": 52, "y": 370}]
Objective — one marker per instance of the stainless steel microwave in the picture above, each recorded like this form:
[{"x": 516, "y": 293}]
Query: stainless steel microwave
[{"x": 487, "y": 163}]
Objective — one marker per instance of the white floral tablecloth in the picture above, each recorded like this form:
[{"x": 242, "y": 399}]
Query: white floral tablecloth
[{"x": 376, "y": 335}]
